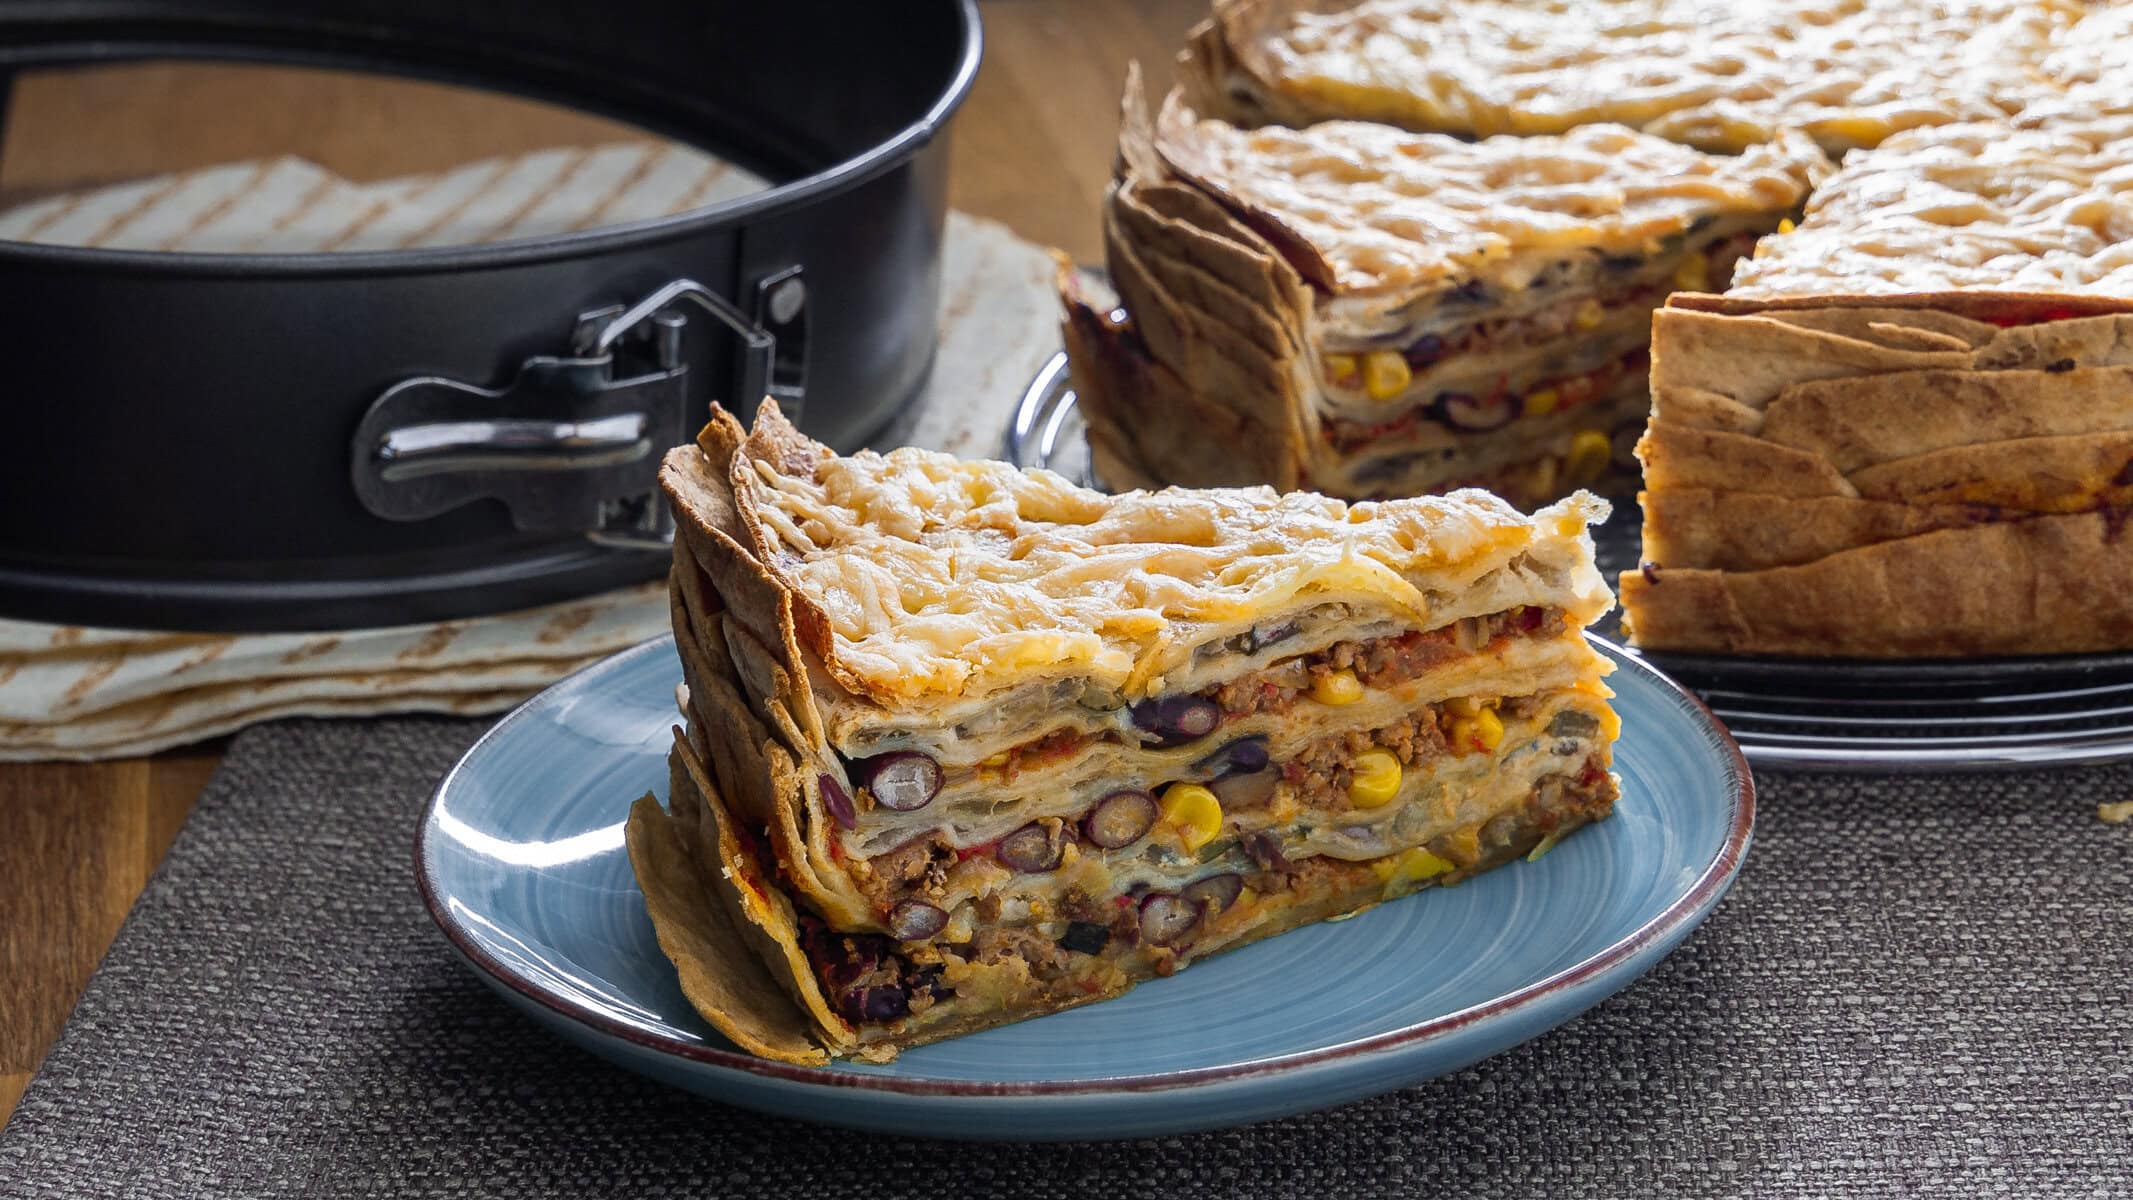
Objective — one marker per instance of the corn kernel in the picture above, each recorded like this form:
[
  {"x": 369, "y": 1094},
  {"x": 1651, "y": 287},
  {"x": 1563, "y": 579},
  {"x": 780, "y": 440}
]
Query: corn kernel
[
  {"x": 1375, "y": 778},
  {"x": 1337, "y": 687},
  {"x": 1344, "y": 95},
  {"x": 1590, "y": 452},
  {"x": 1480, "y": 733},
  {"x": 1541, "y": 481},
  {"x": 1693, "y": 274},
  {"x": 1032, "y": 649},
  {"x": 1462, "y": 845},
  {"x": 1385, "y": 374},
  {"x": 1468, "y": 706},
  {"x": 1194, "y": 812},
  {"x": 1588, "y": 316},
  {"x": 1342, "y": 370},
  {"x": 1410, "y": 867},
  {"x": 1542, "y": 401},
  {"x": 1858, "y": 130},
  {"x": 1763, "y": 244}
]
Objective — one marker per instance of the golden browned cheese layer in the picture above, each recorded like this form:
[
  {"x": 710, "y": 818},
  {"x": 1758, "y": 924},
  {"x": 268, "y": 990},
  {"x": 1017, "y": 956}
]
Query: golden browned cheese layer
[
  {"x": 1964, "y": 208},
  {"x": 1719, "y": 76},
  {"x": 928, "y": 577},
  {"x": 1387, "y": 211}
]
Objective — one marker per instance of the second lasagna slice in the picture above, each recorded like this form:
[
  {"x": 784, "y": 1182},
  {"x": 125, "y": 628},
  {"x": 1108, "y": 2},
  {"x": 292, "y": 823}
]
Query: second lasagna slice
[
  {"x": 1367, "y": 312},
  {"x": 1024, "y": 744}
]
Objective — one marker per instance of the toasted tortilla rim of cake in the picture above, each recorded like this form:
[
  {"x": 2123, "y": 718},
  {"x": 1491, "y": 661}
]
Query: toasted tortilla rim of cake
[
  {"x": 1865, "y": 602},
  {"x": 2012, "y": 498},
  {"x": 761, "y": 773},
  {"x": 706, "y": 932},
  {"x": 1745, "y": 531},
  {"x": 1166, "y": 385},
  {"x": 1130, "y": 398},
  {"x": 1989, "y": 305}
]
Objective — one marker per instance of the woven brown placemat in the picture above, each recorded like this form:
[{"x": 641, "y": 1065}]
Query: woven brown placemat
[{"x": 1919, "y": 987}]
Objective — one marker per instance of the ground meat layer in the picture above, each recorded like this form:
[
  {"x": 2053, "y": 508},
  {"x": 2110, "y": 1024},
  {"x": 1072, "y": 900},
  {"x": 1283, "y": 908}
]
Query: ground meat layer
[
  {"x": 1320, "y": 775},
  {"x": 1321, "y": 772},
  {"x": 1381, "y": 662}
]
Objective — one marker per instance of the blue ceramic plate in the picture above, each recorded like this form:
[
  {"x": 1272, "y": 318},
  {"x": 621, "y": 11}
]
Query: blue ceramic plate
[{"x": 521, "y": 861}]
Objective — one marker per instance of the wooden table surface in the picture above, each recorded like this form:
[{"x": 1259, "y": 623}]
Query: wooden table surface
[{"x": 1032, "y": 148}]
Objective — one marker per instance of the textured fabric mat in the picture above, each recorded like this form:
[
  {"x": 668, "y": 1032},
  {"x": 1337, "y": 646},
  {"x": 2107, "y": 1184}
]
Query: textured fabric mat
[{"x": 1918, "y": 987}]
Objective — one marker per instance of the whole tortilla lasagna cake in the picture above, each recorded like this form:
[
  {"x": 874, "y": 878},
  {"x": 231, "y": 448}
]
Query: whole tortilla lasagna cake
[
  {"x": 1367, "y": 312},
  {"x": 1907, "y": 430},
  {"x": 1396, "y": 246},
  {"x": 967, "y": 745}
]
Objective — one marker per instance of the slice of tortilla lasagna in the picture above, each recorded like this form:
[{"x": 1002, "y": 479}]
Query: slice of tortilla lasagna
[
  {"x": 1369, "y": 312},
  {"x": 968, "y": 744}
]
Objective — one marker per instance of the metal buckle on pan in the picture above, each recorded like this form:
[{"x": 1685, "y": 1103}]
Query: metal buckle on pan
[{"x": 572, "y": 444}]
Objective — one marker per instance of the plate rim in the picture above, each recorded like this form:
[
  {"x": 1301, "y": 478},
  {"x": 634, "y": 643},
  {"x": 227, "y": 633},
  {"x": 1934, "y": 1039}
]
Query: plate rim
[{"x": 1686, "y": 910}]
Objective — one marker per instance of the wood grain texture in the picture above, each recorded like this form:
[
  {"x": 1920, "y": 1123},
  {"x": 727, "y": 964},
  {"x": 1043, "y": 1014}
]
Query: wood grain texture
[
  {"x": 1033, "y": 145},
  {"x": 1032, "y": 149},
  {"x": 78, "y": 841}
]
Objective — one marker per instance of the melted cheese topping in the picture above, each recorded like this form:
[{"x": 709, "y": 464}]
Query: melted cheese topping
[
  {"x": 1964, "y": 208},
  {"x": 944, "y": 578},
  {"x": 2094, "y": 64},
  {"x": 1721, "y": 74},
  {"x": 1390, "y": 210}
]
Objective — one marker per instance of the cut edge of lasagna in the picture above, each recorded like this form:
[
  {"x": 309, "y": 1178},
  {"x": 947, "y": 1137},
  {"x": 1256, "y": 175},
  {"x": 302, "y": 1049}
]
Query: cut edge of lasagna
[
  {"x": 1291, "y": 310},
  {"x": 890, "y": 868}
]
